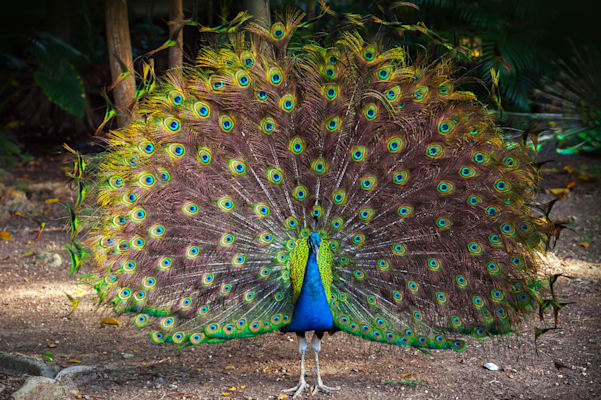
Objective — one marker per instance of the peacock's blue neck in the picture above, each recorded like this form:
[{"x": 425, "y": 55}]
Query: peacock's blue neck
[{"x": 312, "y": 310}]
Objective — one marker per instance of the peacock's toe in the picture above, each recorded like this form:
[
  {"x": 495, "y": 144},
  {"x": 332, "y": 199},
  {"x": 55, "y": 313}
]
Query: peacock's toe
[
  {"x": 298, "y": 389},
  {"x": 320, "y": 387}
]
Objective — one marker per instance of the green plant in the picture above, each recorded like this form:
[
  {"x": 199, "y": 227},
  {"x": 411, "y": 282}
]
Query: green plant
[
  {"x": 502, "y": 36},
  {"x": 50, "y": 62},
  {"x": 572, "y": 102}
]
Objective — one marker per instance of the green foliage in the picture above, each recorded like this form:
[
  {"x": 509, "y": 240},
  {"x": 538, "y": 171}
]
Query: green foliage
[
  {"x": 501, "y": 35},
  {"x": 63, "y": 86},
  {"x": 49, "y": 59},
  {"x": 572, "y": 103}
]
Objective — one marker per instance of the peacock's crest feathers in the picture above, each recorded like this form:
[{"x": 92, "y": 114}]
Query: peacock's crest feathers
[{"x": 197, "y": 216}]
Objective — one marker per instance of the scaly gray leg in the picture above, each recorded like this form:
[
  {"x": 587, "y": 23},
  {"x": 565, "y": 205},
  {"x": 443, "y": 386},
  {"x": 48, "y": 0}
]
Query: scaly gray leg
[
  {"x": 316, "y": 346},
  {"x": 302, "y": 384}
]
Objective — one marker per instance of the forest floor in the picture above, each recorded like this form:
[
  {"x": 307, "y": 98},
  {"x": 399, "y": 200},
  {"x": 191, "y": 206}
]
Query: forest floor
[{"x": 36, "y": 321}]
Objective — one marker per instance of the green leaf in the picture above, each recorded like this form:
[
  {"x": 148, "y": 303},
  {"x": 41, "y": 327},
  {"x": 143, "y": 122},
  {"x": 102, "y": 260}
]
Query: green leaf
[{"x": 64, "y": 87}]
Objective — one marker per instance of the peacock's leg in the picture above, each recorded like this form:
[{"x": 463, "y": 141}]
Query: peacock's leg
[
  {"x": 302, "y": 384},
  {"x": 316, "y": 346}
]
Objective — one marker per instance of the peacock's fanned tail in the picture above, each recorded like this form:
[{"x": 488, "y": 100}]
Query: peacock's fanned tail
[{"x": 193, "y": 212}]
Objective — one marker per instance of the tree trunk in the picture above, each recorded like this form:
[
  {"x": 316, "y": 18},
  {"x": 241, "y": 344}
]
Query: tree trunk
[
  {"x": 119, "y": 48},
  {"x": 176, "y": 15},
  {"x": 310, "y": 9},
  {"x": 259, "y": 9}
]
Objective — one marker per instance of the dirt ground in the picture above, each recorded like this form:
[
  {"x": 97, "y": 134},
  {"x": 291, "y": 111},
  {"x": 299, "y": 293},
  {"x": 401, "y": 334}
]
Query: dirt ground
[{"x": 35, "y": 321}]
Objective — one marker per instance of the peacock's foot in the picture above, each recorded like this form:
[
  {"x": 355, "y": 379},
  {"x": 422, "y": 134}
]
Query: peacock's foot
[
  {"x": 320, "y": 387},
  {"x": 298, "y": 389}
]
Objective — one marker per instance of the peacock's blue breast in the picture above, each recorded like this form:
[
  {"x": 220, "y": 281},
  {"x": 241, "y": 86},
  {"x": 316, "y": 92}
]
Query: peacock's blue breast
[{"x": 311, "y": 311}]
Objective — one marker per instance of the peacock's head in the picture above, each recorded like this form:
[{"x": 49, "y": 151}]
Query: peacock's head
[{"x": 314, "y": 242}]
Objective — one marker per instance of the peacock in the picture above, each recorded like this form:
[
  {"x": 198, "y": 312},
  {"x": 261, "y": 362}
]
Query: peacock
[{"x": 311, "y": 188}]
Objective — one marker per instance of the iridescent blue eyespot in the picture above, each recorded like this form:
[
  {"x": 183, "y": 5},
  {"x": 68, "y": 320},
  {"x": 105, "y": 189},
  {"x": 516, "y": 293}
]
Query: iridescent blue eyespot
[{"x": 174, "y": 125}]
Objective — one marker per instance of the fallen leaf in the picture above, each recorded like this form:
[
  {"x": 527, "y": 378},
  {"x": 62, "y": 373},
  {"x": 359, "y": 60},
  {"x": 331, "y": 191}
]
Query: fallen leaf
[
  {"x": 28, "y": 253},
  {"x": 52, "y": 345},
  {"x": 282, "y": 396},
  {"x": 568, "y": 168},
  {"x": 407, "y": 374},
  {"x": 571, "y": 185},
  {"x": 229, "y": 367},
  {"x": 584, "y": 244},
  {"x": 561, "y": 193},
  {"x": 19, "y": 214},
  {"x": 232, "y": 389},
  {"x": 75, "y": 361},
  {"x": 110, "y": 321},
  {"x": 243, "y": 387},
  {"x": 584, "y": 177},
  {"x": 51, "y": 201},
  {"x": 226, "y": 394},
  {"x": 5, "y": 236}
]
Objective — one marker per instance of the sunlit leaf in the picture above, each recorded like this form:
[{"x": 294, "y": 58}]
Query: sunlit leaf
[
  {"x": 110, "y": 321},
  {"x": 5, "y": 235}
]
